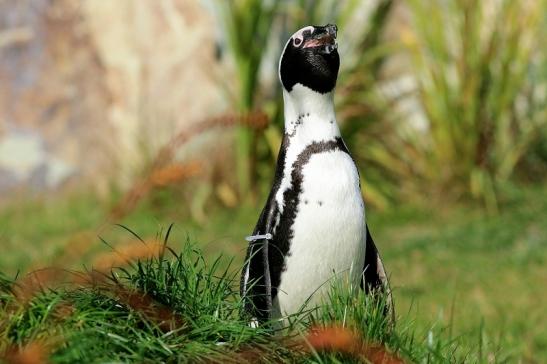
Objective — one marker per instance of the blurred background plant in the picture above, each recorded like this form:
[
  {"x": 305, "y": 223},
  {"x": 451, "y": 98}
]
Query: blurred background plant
[
  {"x": 247, "y": 38},
  {"x": 144, "y": 113},
  {"x": 481, "y": 86}
]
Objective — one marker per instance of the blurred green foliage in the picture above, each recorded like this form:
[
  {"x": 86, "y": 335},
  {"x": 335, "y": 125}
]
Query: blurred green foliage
[
  {"x": 247, "y": 38},
  {"x": 477, "y": 82}
]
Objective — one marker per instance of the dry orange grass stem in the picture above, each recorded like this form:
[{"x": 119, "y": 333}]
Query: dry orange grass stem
[
  {"x": 158, "y": 177},
  {"x": 333, "y": 339},
  {"x": 35, "y": 282},
  {"x": 125, "y": 254},
  {"x": 256, "y": 120},
  {"x": 32, "y": 353},
  {"x": 39, "y": 280},
  {"x": 346, "y": 341},
  {"x": 164, "y": 317},
  {"x": 164, "y": 172},
  {"x": 173, "y": 173}
]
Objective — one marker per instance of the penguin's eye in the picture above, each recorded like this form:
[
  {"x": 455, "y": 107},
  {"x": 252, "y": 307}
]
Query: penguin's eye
[{"x": 297, "y": 41}]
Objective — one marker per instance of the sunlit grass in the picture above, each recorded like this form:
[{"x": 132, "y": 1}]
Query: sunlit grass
[{"x": 177, "y": 307}]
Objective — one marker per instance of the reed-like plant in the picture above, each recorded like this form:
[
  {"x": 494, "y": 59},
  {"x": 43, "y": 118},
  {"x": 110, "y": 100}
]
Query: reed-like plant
[
  {"x": 361, "y": 108},
  {"x": 477, "y": 82},
  {"x": 247, "y": 25}
]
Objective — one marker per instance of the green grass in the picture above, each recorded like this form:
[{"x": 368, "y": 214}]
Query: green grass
[
  {"x": 178, "y": 308},
  {"x": 470, "y": 268},
  {"x": 466, "y": 276}
]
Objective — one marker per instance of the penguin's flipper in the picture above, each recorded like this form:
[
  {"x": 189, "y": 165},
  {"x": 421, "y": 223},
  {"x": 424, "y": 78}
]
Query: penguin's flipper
[
  {"x": 256, "y": 280},
  {"x": 255, "y": 287},
  {"x": 374, "y": 274}
]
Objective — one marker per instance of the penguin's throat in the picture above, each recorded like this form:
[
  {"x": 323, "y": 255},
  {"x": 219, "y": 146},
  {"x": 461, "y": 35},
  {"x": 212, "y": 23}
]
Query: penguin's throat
[{"x": 309, "y": 114}]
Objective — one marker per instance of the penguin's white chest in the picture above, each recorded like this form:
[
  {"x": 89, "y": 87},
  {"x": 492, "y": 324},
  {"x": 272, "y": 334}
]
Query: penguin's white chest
[{"x": 328, "y": 232}]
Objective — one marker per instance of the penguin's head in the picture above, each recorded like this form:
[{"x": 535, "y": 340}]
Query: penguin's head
[{"x": 310, "y": 58}]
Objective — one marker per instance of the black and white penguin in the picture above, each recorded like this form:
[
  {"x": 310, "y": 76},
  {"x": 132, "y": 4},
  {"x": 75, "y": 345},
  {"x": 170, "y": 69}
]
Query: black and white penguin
[{"x": 313, "y": 225}]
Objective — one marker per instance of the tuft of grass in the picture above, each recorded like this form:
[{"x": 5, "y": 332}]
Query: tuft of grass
[
  {"x": 161, "y": 309},
  {"x": 177, "y": 307}
]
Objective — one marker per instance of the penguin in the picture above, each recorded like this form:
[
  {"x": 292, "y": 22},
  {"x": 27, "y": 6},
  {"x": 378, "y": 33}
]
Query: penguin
[{"x": 313, "y": 225}]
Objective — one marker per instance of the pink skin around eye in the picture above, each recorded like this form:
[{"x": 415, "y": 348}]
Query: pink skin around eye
[{"x": 298, "y": 37}]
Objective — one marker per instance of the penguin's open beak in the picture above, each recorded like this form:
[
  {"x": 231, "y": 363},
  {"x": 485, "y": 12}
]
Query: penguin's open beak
[{"x": 323, "y": 38}]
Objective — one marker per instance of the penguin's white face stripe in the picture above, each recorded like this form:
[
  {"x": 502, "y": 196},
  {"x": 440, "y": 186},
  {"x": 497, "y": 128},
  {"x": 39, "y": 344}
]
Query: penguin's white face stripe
[{"x": 299, "y": 35}]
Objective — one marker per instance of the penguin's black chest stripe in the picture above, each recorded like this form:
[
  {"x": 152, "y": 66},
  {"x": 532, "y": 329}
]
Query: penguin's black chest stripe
[{"x": 280, "y": 244}]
